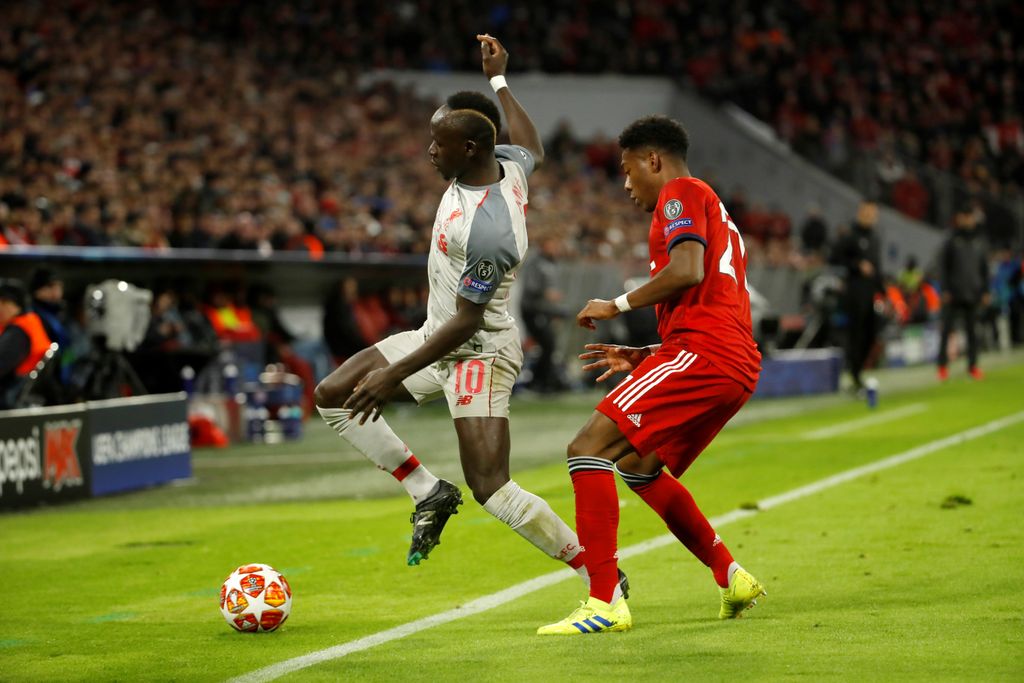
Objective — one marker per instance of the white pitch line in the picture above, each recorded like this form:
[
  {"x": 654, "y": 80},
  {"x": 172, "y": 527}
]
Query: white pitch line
[
  {"x": 487, "y": 602},
  {"x": 869, "y": 421},
  {"x": 273, "y": 459}
]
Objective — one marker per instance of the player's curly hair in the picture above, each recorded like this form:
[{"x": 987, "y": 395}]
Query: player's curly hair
[
  {"x": 656, "y": 132},
  {"x": 478, "y": 102}
]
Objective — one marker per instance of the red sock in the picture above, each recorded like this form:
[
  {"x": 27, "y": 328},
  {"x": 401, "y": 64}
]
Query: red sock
[
  {"x": 676, "y": 506},
  {"x": 577, "y": 561},
  {"x": 597, "y": 522},
  {"x": 406, "y": 468}
]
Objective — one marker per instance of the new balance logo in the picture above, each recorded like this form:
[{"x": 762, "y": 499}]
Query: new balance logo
[
  {"x": 634, "y": 418},
  {"x": 463, "y": 400}
]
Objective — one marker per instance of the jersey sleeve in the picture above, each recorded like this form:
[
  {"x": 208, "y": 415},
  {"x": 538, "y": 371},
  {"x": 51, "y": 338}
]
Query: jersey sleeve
[
  {"x": 520, "y": 155},
  {"x": 491, "y": 250},
  {"x": 681, "y": 211}
]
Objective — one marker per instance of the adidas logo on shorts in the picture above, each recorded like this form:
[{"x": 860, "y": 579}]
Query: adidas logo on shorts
[{"x": 634, "y": 418}]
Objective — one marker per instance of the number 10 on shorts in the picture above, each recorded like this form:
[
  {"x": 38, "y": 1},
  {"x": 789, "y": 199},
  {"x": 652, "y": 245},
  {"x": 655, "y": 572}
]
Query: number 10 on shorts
[{"x": 469, "y": 376}]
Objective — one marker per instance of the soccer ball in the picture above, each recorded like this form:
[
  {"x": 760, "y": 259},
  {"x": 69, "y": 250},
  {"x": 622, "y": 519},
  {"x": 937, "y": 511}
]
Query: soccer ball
[{"x": 255, "y": 597}]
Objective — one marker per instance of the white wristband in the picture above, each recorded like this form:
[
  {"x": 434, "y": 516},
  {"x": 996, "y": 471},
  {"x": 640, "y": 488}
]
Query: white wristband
[
  {"x": 622, "y": 303},
  {"x": 498, "y": 82}
]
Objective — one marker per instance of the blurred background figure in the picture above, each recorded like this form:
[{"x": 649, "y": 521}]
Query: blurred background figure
[
  {"x": 279, "y": 340},
  {"x": 860, "y": 254},
  {"x": 351, "y": 321},
  {"x": 814, "y": 234},
  {"x": 47, "y": 292},
  {"x": 23, "y": 341},
  {"x": 176, "y": 338},
  {"x": 48, "y": 303},
  {"x": 963, "y": 264},
  {"x": 229, "y": 315},
  {"x": 1008, "y": 286},
  {"x": 541, "y": 306}
]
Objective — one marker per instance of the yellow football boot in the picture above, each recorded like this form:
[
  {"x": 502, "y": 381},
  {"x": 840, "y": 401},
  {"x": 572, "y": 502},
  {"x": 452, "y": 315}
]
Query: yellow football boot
[
  {"x": 592, "y": 616},
  {"x": 742, "y": 593}
]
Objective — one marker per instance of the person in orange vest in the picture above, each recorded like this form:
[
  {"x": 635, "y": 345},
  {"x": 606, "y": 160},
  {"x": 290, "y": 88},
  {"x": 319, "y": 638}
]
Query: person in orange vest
[
  {"x": 231, "y": 321},
  {"x": 23, "y": 340}
]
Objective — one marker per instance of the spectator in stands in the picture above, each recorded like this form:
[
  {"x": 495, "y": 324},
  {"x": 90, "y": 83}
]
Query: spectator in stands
[
  {"x": 859, "y": 253},
  {"x": 23, "y": 341},
  {"x": 911, "y": 197},
  {"x": 963, "y": 264},
  {"x": 112, "y": 117},
  {"x": 541, "y": 306}
]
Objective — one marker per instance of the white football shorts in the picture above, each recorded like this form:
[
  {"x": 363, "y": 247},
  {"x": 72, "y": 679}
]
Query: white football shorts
[{"x": 475, "y": 384}]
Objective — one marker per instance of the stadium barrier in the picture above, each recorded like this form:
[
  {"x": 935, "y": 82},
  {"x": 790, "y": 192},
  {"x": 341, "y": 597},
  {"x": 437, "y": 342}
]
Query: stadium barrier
[
  {"x": 796, "y": 372},
  {"x": 91, "y": 449}
]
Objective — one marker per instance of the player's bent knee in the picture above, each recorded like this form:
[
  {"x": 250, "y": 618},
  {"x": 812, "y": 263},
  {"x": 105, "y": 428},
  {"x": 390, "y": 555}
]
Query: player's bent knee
[
  {"x": 584, "y": 445},
  {"x": 332, "y": 392},
  {"x": 323, "y": 396},
  {"x": 335, "y": 389},
  {"x": 576, "y": 448},
  {"x": 590, "y": 445}
]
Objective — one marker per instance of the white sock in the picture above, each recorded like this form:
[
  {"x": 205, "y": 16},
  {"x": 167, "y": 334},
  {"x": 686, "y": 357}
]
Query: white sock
[
  {"x": 532, "y": 518},
  {"x": 733, "y": 566},
  {"x": 382, "y": 447}
]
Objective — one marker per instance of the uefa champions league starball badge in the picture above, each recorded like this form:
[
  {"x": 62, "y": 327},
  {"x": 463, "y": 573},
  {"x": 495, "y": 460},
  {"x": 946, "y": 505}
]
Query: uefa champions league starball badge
[{"x": 672, "y": 209}]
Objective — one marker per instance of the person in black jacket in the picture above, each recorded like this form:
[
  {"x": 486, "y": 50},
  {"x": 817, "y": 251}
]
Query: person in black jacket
[
  {"x": 860, "y": 253},
  {"x": 541, "y": 305},
  {"x": 963, "y": 264}
]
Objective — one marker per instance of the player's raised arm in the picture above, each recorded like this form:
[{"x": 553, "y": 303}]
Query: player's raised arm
[{"x": 521, "y": 130}]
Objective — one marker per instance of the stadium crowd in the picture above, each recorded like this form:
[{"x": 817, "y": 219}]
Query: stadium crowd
[{"x": 210, "y": 124}]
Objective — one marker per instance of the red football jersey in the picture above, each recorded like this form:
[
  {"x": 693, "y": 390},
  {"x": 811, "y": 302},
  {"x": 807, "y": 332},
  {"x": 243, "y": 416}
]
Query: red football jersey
[{"x": 712, "y": 318}]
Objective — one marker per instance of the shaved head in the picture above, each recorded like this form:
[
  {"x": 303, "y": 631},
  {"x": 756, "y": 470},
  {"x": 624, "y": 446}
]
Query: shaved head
[
  {"x": 469, "y": 124},
  {"x": 461, "y": 137}
]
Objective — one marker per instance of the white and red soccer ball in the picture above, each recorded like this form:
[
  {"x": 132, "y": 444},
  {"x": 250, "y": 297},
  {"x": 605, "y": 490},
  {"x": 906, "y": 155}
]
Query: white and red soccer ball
[{"x": 255, "y": 597}]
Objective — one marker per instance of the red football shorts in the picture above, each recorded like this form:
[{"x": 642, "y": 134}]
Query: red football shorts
[{"x": 674, "y": 403}]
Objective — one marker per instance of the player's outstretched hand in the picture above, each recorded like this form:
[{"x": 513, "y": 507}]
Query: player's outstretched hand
[
  {"x": 495, "y": 56},
  {"x": 596, "y": 309},
  {"x": 370, "y": 395},
  {"x": 613, "y": 358}
]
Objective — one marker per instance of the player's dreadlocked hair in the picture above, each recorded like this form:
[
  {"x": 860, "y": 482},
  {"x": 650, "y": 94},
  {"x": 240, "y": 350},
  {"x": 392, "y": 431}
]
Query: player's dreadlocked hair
[
  {"x": 478, "y": 102},
  {"x": 657, "y": 132}
]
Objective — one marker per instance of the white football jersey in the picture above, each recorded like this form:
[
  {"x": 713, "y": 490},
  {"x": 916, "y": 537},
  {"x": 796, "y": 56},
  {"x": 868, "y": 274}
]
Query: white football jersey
[{"x": 478, "y": 244}]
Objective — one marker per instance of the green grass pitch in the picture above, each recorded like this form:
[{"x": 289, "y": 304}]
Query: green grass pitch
[{"x": 909, "y": 573}]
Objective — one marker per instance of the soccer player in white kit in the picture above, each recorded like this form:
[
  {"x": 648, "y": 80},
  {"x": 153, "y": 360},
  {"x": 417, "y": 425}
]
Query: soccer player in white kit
[{"x": 469, "y": 349}]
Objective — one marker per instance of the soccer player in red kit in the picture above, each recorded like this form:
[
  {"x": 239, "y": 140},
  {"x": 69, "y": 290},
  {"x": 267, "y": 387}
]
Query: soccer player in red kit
[{"x": 679, "y": 394}]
